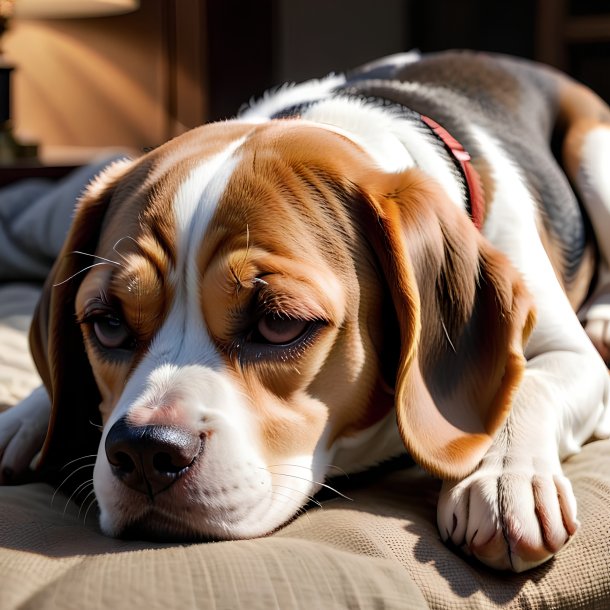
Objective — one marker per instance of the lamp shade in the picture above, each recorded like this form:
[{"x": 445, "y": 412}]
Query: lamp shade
[{"x": 63, "y": 9}]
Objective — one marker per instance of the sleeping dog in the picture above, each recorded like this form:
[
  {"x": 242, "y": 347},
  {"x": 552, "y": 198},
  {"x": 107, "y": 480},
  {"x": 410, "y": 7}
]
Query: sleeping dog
[{"x": 384, "y": 260}]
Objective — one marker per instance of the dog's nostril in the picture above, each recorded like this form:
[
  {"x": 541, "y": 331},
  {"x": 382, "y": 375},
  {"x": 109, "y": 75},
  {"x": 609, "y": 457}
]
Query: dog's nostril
[
  {"x": 123, "y": 462},
  {"x": 150, "y": 458},
  {"x": 162, "y": 462}
]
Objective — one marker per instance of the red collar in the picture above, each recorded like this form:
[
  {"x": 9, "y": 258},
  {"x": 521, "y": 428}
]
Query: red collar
[{"x": 471, "y": 177}]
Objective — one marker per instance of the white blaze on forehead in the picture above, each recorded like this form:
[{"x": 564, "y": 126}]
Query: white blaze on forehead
[
  {"x": 197, "y": 198},
  {"x": 195, "y": 204},
  {"x": 183, "y": 340}
]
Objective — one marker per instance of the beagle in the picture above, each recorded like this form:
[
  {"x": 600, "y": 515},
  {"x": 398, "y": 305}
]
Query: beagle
[{"x": 393, "y": 258}]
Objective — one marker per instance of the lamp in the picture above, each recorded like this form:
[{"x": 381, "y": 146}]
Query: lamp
[
  {"x": 10, "y": 149},
  {"x": 63, "y": 9}
]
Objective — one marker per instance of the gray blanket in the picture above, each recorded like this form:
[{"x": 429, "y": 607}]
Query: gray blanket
[{"x": 34, "y": 218}]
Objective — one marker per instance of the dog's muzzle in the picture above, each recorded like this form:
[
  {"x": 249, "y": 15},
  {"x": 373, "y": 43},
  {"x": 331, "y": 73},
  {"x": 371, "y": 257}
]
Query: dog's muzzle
[{"x": 149, "y": 459}]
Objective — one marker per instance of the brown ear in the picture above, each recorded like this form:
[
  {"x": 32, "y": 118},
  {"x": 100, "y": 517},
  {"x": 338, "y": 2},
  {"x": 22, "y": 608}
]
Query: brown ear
[
  {"x": 55, "y": 338},
  {"x": 463, "y": 313}
]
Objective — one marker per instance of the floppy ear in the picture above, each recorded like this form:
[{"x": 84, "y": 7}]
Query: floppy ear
[
  {"x": 55, "y": 338},
  {"x": 464, "y": 315}
]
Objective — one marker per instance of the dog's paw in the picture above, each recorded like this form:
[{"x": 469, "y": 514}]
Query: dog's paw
[
  {"x": 509, "y": 520},
  {"x": 22, "y": 432}
]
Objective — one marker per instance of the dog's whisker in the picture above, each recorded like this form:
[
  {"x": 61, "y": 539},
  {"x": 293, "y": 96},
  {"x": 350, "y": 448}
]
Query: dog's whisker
[
  {"x": 302, "y": 511},
  {"x": 80, "y": 488},
  {"x": 448, "y": 337},
  {"x": 67, "y": 479},
  {"x": 91, "y": 504},
  {"x": 85, "y": 499},
  {"x": 330, "y": 466},
  {"x": 281, "y": 495},
  {"x": 103, "y": 261},
  {"x": 75, "y": 493},
  {"x": 309, "y": 498},
  {"x": 98, "y": 426},
  {"x": 81, "y": 271},
  {"x": 294, "y": 476},
  {"x": 79, "y": 459},
  {"x": 118, "y": 241},
  {"x": 101, "y": 258}
]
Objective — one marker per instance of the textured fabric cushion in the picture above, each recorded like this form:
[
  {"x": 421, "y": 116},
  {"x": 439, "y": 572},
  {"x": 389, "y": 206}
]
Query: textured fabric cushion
[
  {"x": 17, "y": 375},
  {"x": 381, "y": 549}
]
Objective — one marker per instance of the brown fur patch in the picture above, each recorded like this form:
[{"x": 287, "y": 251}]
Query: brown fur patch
[{"x": 284, "y": 238}]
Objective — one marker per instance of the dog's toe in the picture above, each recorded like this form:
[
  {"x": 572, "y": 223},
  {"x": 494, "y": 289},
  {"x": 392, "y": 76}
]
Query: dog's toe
[{"x": 511, "y": 521}]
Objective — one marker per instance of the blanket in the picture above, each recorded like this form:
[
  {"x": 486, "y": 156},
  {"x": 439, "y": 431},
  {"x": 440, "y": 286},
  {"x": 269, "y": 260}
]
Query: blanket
[{"x": 377, "y": 548}]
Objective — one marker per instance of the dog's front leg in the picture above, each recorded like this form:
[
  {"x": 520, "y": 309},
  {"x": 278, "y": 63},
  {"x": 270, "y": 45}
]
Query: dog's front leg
[
  {"x": 22, "y": 432},
  {"x": 518, "y": 509}
]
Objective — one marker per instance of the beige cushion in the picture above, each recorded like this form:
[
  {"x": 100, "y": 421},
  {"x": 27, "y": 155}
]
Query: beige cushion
[
  {"x": 17, "y": 376},
  {"x": 379, "y": 550}
]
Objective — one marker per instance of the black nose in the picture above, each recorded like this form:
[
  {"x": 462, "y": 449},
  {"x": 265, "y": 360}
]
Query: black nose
[{"x": 150, "y": 458}]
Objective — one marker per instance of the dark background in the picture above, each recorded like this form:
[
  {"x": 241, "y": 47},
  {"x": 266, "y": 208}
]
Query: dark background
[{"x": 267, "y": 42}]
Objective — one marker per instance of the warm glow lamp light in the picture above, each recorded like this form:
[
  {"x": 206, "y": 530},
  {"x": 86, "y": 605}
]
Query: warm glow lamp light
[
  {"x": 10, "y": 150},
  {"x": 63, "y": 9}
]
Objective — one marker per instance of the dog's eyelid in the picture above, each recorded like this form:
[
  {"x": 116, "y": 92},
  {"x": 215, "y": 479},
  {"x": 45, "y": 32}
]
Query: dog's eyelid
[
  {"x": 267, "y": 301},
  {"x": 99, "y": 304},
  {"x": 92, "y": 310},
  {"x": 251, "y": 350},
  {"x": 107, "y": 324}
]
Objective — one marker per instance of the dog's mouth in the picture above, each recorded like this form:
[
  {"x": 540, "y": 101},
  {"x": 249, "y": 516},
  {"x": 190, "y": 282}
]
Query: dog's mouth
[
  {"x": 197, "y": 509},
  {"x": 166, "y": 522}
]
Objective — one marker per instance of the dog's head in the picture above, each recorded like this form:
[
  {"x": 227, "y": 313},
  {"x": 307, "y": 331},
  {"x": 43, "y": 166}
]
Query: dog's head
[{"x": 243, "y": 301}]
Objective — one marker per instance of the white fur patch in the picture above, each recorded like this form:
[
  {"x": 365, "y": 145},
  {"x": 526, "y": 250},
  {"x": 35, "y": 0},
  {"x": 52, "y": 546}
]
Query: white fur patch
[
  {"x": 290, "y": 95},
  {"x": 369, "y": 126},
  {"x": 395, "y": 61},
  {"x": 394, "y": 142}
]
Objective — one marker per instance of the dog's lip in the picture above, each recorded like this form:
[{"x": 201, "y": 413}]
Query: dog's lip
[
  {"x": 179, "y": 516},
  {"x": 166, "y": 522}
]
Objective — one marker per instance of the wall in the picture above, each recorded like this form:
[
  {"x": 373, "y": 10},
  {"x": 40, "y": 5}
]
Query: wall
[
  {"x": 315, "y": 37},
  {"x": 256, "y": 45},
  {"x": 126, "y": 80},
  {"x": 136, "y": 80}
]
